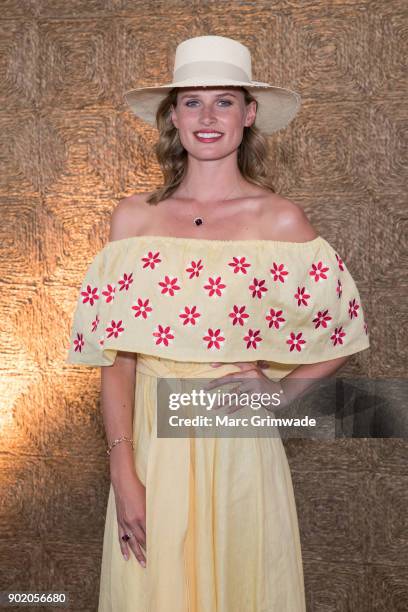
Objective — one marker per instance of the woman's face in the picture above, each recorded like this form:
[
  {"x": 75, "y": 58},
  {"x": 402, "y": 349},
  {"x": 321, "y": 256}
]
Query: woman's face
[{"x": 212, "y": 110}]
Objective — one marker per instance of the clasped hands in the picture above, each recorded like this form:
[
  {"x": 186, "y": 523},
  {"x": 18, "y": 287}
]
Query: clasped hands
[{"x": 250, "y": 379}]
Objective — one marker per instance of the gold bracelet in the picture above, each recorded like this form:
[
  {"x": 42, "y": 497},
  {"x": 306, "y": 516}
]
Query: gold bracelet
[{"x": 115, "y": 442}]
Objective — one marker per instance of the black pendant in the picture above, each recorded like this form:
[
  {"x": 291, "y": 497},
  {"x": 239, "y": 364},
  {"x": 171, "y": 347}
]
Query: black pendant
[{"x": 198, "y": 220}]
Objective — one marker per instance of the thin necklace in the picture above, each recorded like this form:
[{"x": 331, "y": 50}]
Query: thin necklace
[{"x": 200, "y": 220}]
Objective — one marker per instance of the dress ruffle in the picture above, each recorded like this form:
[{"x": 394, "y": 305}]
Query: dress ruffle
[{"x": 190, "y": 299}]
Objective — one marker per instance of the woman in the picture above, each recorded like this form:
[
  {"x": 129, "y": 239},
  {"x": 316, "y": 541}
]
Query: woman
[{"x": 211, "y": 276}]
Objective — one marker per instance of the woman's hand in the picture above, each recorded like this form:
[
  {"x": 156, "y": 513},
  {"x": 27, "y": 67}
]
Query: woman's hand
[
  {"x": 130, "y": 499},
  {"x": 249, "y": 380}
]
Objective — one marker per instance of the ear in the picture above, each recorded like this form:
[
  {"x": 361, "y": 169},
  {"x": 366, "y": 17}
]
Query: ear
[
  {"x": 250, "y": 114},
  {"x": 173, "y": 116}
]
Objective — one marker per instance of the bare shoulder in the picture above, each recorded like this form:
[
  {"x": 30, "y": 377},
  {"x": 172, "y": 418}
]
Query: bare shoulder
[
  {"x": 129, "y": 217},
  {"x": 287, "y": 220}
]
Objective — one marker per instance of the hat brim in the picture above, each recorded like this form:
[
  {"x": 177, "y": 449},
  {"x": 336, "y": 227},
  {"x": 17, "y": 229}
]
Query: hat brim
[{"x": 277, "y": 105}]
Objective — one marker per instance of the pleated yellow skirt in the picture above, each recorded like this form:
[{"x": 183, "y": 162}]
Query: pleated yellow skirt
[{"x": 221, "y": 524}]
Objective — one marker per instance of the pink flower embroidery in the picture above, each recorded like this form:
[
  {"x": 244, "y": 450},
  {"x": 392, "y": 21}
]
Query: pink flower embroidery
[
  {"x": 318, "y": 271},
  {"x": 90, "y": 295},
  {"x": 95, "y": 323},
  {"x": 239, "y": 265},
  {"x": 296, "y": 341},
  {"x": 126, "y": 281},
  {"x": 301, "y": 296},
  {"x": 195, "y": 268},
  {"x": 215, "y": 287},
  {"x": 79, "y": 342},
  {"x": 339, "y": 288},
  {"x": 257, "y": 288},
  {"x": 115, "y": 329},
  {"x": 214, "y": 338},
  {"x": 189, "y": 315},
  {"x": 142, "y": 308},
  {"x": 274, "y": 317},
  {"x": 353, "y": 308},
  {"x": 337, "y": 336},
  {"x": 278, "y": 272},
  {"x": 151, "y": 260},
  {"x": 169, "y": 285},
  {"x": 164, "y": 335},
  {"x": 321, "y": 318},
  {"x": 252, "y": 338},
  {"x": 109, "y": 293},
  {"x": 340, "y": 262},
  {"x": 238, "y": 315}
]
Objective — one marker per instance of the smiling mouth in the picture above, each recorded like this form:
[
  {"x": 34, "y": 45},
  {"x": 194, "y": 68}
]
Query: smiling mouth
[{"x": 208, "y": 136}]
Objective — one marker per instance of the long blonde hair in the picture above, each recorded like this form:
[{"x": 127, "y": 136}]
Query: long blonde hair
[{"x": 172, "y": 156}]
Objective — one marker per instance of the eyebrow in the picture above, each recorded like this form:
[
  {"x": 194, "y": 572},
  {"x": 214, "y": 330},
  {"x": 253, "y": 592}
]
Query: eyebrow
[{"x": 221, "y": 95}]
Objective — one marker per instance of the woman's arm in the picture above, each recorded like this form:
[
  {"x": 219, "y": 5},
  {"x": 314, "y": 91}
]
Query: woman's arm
[
  {"x": 306, "y": 376},
  {"x": 295, "y": 385},
  {"x": 118, "y": 383},
  {"x": 118, "y": 393},
  {"x": 118, "y": 380},
  {"x": 117, "y": 398}
]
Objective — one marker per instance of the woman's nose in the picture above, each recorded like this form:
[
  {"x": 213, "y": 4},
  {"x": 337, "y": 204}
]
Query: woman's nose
[{"x": 207, "y": 113}]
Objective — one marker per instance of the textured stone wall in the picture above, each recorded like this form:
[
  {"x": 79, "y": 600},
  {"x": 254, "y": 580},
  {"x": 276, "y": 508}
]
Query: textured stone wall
[{"x": 69, "y": 150}]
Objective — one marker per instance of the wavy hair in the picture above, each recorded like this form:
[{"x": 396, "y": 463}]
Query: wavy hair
[{"x": 172, "y": 157}]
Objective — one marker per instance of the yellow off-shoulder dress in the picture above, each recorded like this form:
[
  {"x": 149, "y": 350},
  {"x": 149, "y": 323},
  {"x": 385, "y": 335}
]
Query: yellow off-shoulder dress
[{"x": 221, "y": 522}]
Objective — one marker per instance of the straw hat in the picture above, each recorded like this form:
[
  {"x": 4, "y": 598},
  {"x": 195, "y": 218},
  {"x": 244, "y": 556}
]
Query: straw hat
[{"x": 217, "y": 60}]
